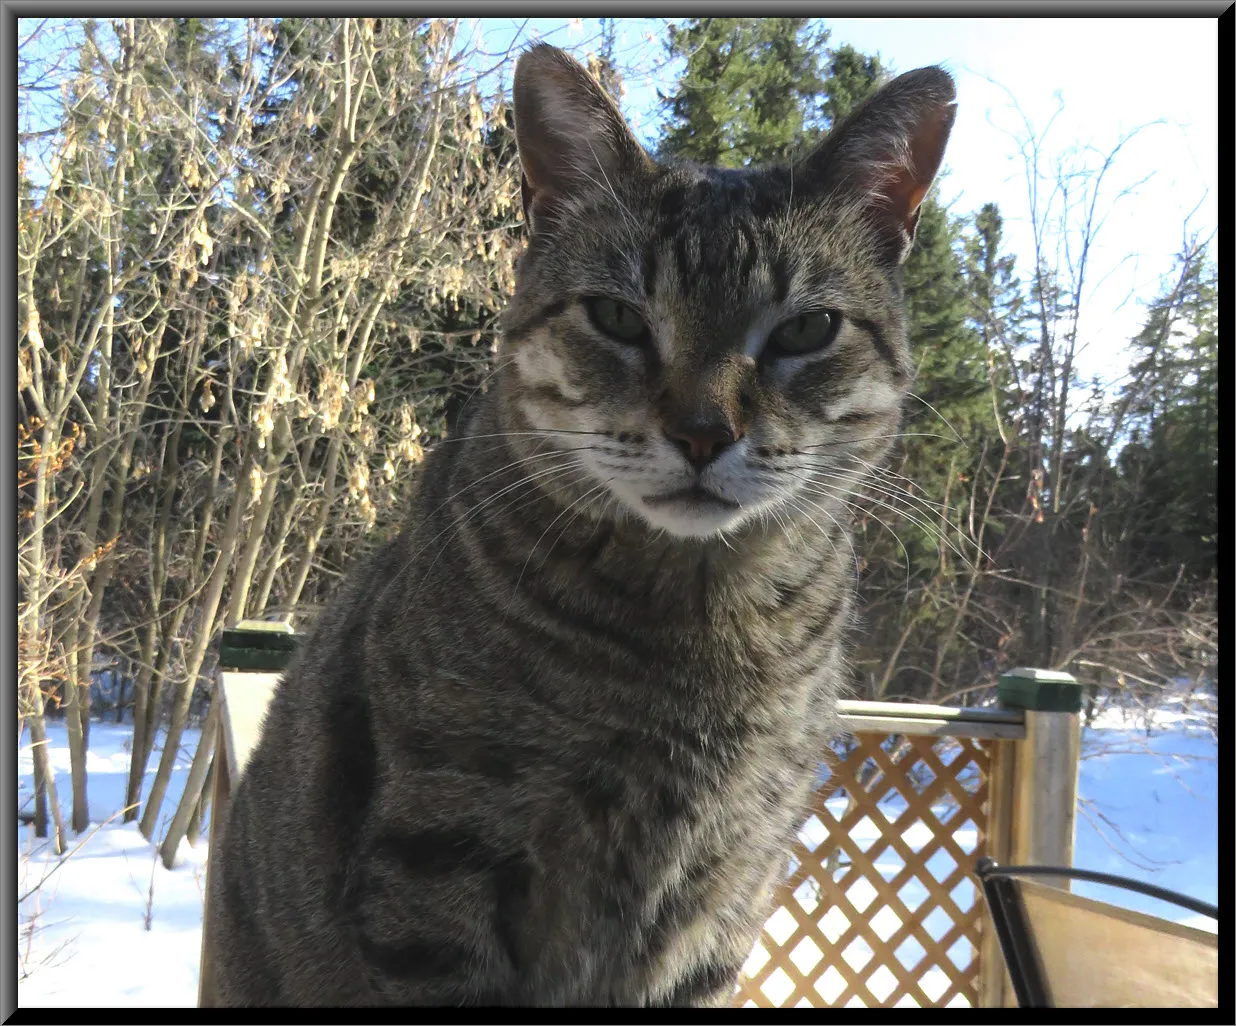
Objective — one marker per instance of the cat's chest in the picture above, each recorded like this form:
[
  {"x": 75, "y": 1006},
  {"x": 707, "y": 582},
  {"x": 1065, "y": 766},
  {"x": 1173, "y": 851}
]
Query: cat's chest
[
  {"x": 739, "y": 788},
  {"x": 691, "y": 852}
]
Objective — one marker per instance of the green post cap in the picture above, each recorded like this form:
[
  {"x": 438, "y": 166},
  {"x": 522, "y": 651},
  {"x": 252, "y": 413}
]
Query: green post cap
[
  {"x": 257, "y": 645},
  {"x": 1040, "y": 690}
]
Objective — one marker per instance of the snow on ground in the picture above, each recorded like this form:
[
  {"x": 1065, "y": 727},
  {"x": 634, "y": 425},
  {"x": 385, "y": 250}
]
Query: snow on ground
[
  {"x": 111, "y": 926},
  {"x": 1149, "y": 811},
  {"x": 1149, "y": 808}
]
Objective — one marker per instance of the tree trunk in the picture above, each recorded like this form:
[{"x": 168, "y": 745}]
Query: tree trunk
[
  {"x": 121, "y": 688},
  {"x": 40, "y": 794},
  {"x": 203, "y": 804},
  {"x": 73, "y": 721},
  {"x": 44, "y": 778},
  {"x": 205, "y": 629},
  {"x": 140, "y": 752},
  {"x": 193, "y": 786}
]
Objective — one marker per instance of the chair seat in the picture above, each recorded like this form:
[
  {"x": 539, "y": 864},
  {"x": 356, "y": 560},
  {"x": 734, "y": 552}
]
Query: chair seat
[{"x": 1064, "y": 950}]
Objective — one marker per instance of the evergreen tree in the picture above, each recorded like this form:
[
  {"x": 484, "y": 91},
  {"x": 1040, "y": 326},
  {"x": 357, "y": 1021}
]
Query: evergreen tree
[
  {"x": 852, "y": 77},
  {"x": 749, "y": 91},
  {"x": 1171, "y": 460},
  {"x": 951, "y": 385},
  {"x": 994, "y": 294}
]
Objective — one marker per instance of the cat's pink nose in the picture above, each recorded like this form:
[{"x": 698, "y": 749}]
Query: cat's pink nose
[{"x": 702, "y": 444}]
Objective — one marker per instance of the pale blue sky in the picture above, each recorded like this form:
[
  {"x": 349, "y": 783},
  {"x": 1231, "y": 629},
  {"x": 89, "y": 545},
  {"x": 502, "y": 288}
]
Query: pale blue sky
[{"x": 1111, "y": 75}]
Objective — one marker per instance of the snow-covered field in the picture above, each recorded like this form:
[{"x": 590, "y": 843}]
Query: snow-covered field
[{"x": 110, "y": 926}]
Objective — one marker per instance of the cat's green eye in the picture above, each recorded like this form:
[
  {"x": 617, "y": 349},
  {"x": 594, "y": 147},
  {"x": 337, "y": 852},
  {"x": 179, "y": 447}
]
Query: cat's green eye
[
  {"x": 617, "y": 320},
  {"x": 805, "y": 333}
]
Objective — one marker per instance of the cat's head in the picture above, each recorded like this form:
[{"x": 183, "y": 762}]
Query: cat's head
[{"x": 712, "y": 346}]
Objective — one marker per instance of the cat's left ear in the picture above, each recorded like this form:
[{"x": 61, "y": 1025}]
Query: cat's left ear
[
  {"x": 571, "y": 137},
  {"x": 887, "y": 153}
]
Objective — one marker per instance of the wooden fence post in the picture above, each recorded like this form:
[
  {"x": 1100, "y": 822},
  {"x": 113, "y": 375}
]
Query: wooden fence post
[
  {"x": 1033, "y": 795},
  {"x": 250, "y": 658},
  {"x": 1045, "y": 792}
]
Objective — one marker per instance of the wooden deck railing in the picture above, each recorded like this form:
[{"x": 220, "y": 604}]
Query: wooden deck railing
[{"x": 880, "y": 907}]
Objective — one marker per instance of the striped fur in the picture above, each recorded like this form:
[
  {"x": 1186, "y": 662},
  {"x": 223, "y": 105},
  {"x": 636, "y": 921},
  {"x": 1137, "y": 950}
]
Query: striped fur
[{"x": 550, "y": 745}]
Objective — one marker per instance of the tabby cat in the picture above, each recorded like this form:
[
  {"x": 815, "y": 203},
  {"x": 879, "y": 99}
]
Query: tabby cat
[{"x": 551, "y": 745}]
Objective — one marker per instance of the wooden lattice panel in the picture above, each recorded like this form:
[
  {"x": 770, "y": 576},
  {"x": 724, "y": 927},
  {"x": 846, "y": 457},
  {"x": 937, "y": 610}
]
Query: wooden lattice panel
[{"x": 880, "y": 907}]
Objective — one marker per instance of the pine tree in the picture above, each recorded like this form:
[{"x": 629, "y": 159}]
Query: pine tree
[
  {"x": 852, "y": 77},
  {"x": 750, "y": 91},
  {"x": 951, "y": 389},
  {"x": 994, "y": 292},
  {"x": 1171, "y": 460}
]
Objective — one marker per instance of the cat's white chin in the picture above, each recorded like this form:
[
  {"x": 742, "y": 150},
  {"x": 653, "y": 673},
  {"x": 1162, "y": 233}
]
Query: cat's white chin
[{"x": 691, "y": 512}]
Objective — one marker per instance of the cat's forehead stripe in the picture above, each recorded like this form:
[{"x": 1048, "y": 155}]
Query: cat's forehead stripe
[
  {"x": 880, "y": 342},
  {"x": 649, "y": 268},
  {"x": 715, "y": 228},
  {"x": 536, "y": 319}
]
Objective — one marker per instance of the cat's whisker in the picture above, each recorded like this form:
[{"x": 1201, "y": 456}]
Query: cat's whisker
[
  {"x": 856, "y": 509},
  {"x": 921, "y": 504},
  {"x": 775, "y": 514},
  {"x": 499, "y": 366},
  {"x": 928, "y": 509},
  {"x": 511, "y": 465},
  {"x": 583, "y": 505},
  {"x": 522, "y": 502},
  {"x": 892, "y": 478},
  {"x": 482, "y": 450},
  {"x": 926, "y": 506},
  {"x": 797, "y": 501},
  {"x": 873, "y": 438},
  {"x": 884, "y": 473},
  {"x": 943, "y": 419},
  {"x": 923, "y": 519},
  {"x": 534, "y": 482},
  {"x": 875, "y": 468},
  {"x": 933, "y": 513},
  {"x": 828, "y": 467},
  {"x": 542, "y": 433},
  {"x": 523, "y": 481},
  {"x": 924, "y": 525},
  {"x": 580, "y": 499}
]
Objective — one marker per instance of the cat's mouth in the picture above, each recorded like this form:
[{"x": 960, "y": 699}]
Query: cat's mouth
[{"x": 692, "y": 497}]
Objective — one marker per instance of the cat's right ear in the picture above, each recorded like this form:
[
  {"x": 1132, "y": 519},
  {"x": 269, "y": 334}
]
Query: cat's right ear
[
  {"x": 571, "y": 137},
  {"x": 886, "y": 154}
]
